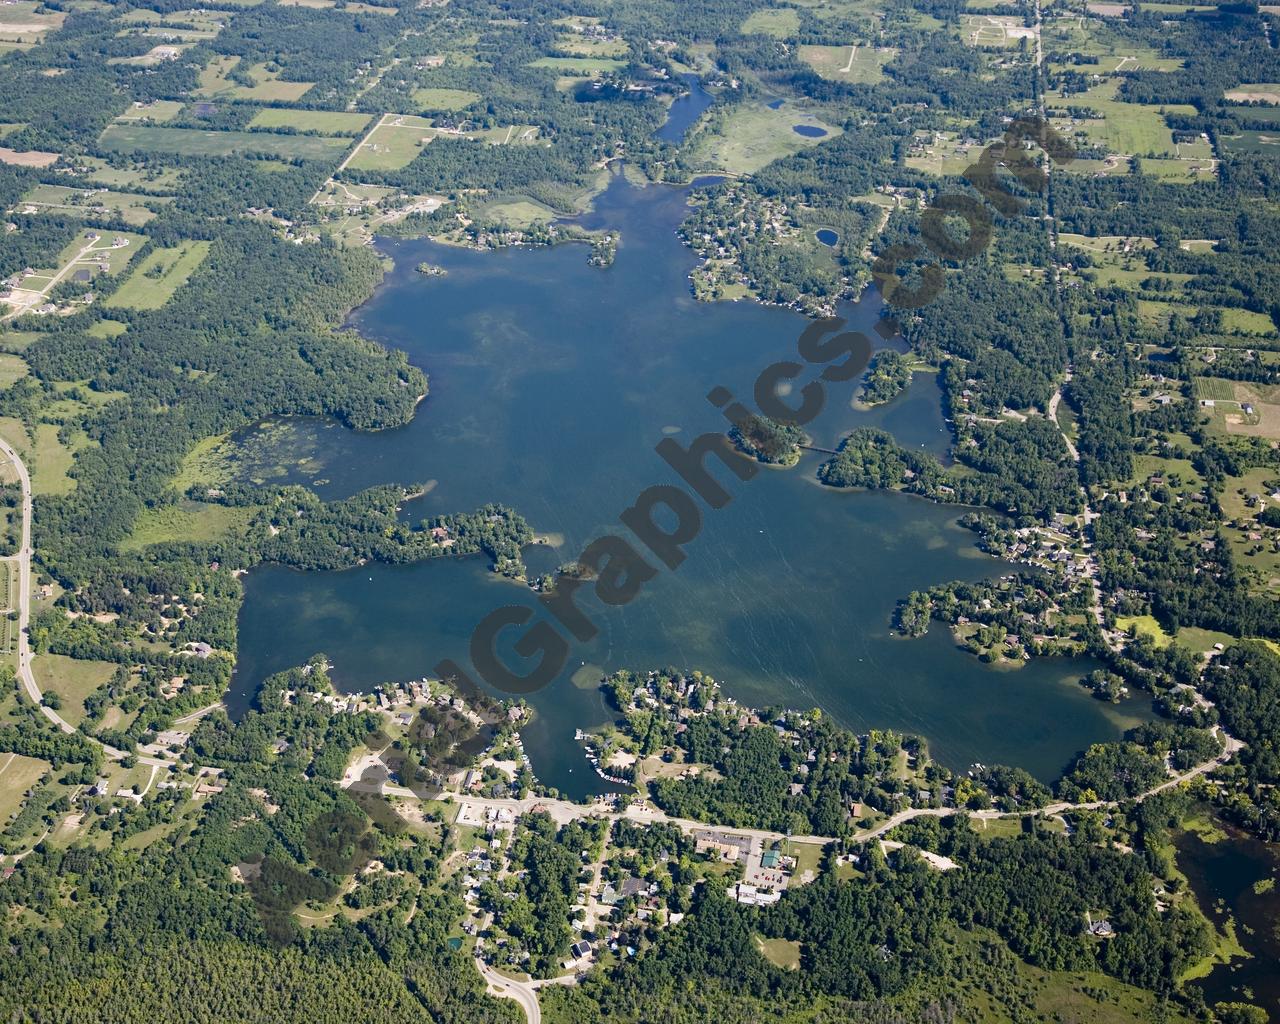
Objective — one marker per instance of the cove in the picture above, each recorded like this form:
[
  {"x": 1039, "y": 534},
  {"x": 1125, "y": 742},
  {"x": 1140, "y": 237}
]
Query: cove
[
  {"x": 551, "y": 382},
  {"x": 685, "y": 111}
]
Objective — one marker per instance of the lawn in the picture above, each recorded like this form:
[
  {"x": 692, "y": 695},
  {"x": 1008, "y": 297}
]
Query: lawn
[
  {"x": 72, "y": 680},
  {"x": 1202, "y": 640},
  {"x": 1148, "y": 626},
  {"x": 326, "y": 122},
  {"x": 864, "y": 64},
  {"x": 753, "y": 135},
  {"x": 122, "y": 138},
  {"x": 162, "y": 273},
  {"x": 186, "y": 522},
  {"x": 444, "y": 99}
]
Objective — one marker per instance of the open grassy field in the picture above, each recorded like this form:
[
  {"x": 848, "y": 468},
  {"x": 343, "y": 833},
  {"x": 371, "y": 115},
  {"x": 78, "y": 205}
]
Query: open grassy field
[
  {"x": 121, "y": 138},
  {"x": 444, "y": 99},
  {"x": 161, "y": 274},
  {"x": 267, "y": 87},
  {"x": 60, "y": 200},
  {"x": 12, "y": 369},
  {"x": 106, "y": 329},
  {"x": 585, "y": 46},
  {"x": 779, "y": 952},
  {"x": 326, "y": 122},
  {"x": 514, "y": 212},
  {"x": 152, "y": 179},
  {"x": 1246, "y": 321},
  {"x": 17, "y": 775},
  {"x": 72, "y": 680},
  {"x": 187, "y": 521},
  {"x": 779, "y": 23},
  {"x": 52, "y": 460},
  {"x": 1146, "y": 625},
  {"x": 580, "y": 65},
  {"x": 754, "y": 135},
  {"x": 863, "y": 64},
  {"x": 1132, "y": 129}
]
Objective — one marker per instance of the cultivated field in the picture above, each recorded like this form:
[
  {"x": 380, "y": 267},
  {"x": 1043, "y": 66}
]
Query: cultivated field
[{"x": 27, "y": 158}]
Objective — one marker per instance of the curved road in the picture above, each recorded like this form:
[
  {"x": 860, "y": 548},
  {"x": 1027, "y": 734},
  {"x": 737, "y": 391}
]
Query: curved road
[{"x": 23, "y": 559}]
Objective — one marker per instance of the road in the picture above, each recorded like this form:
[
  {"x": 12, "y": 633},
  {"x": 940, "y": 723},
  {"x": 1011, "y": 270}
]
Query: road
[
  {"x": 523, "y": 992},
  {"x": 53, "y": 282},
  {"x": 25, "y": 676}
]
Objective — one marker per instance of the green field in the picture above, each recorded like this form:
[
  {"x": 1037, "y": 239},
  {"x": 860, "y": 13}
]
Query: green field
[
  {"x": 1146, "y": 625},
  {"x": 753, "y": 136},
  {"x": 52, "y": 459},
  {"x": 1132, "y": 129},
  {"x": 267, "y": 87},
  {"x": 1214, "y": 389},
  {"x": 779, "y": 23},
  {"x": 157, "y": 111},
  {"x": 161, "y": 274},
  {"x": 326, "y": 122},
  {"x": 444, "y": 99},
  {"x": 779, "y": 952},
  {"x": 17, "y": 775},
  {"x": 62, "y": 201},
  {"x": 187, "y": 522},
  {"x": 106, "y": 329},
  {"x": 863, "y": 64},
  {"x": 580, "y": 65},
  {"x": 12, "y": 369},
  {"x": 72, "y": 680},
  {"x": 121, "y": 138},
  {"x": 1246, "y": 321}
]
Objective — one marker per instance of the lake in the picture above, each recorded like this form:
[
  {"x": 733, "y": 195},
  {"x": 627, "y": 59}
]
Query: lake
[{"x": 551, "y": 382}]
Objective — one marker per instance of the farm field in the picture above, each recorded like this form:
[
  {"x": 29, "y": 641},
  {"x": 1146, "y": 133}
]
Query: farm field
[
  {"x": 162, "y": 273},
  {"x": 1255, "y": 92},
  {"x": 754, "y": 135},
  {"x": 326, "y": 122},
  {"x": 121, "y": 138},
  {"x": 864, "y": 64},
  {"x": 398, "y": 138}
]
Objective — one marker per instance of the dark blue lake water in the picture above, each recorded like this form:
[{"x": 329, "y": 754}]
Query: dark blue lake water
[{"x": 551, "y": 382}]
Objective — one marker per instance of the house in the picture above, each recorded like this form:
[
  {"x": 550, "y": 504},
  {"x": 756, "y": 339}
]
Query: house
[
  {"x": 581, "y": 949},
  {"x": 635, "y": 887},
  {"x": 771, "y": 860}
]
